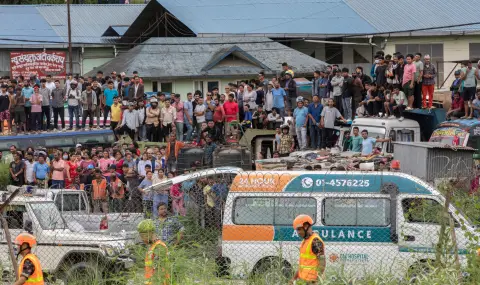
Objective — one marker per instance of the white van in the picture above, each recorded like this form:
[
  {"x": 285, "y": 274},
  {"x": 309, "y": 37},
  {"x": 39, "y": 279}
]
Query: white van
[
  {"x": 400, "y": 131},
  {"x": 370, "y": 222}
]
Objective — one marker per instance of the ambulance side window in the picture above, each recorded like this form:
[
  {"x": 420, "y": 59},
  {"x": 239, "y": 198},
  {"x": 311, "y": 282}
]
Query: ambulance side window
[
  {"x": 421, "y": 210},
  {"x": 356, "y": 212},
  {"x": 272, "y": 210}
]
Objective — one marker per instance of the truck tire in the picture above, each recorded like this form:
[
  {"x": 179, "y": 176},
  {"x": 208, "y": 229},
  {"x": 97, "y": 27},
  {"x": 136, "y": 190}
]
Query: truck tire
[
  {"x": 82, "y": 273},
  {"x": 272, "y": 271}
]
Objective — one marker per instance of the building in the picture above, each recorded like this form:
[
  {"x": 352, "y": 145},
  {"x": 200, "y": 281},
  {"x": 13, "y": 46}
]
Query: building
[
  {"x": 345, "y": 32},
  {"x": 95, "y": 29},
  {"x": 183, "y": 65}
]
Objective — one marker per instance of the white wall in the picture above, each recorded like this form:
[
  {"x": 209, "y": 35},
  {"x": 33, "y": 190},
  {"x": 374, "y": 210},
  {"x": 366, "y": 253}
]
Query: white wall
[{"x": 455, "y": 48}]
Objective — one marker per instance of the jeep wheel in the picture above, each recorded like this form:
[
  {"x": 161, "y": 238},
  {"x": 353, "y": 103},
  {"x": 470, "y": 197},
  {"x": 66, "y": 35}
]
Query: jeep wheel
[{"x": 82, "y": 273}]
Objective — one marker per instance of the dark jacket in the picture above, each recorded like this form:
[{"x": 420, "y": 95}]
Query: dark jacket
[
  {"x": 292, "y": 88},
  {"x": 138, "y": 95}
]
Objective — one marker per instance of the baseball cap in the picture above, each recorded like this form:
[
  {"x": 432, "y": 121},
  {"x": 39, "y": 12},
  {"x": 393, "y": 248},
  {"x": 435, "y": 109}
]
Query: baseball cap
[
  {"x": 153, "y": 100},
  {"x": 78, "y": 145}
]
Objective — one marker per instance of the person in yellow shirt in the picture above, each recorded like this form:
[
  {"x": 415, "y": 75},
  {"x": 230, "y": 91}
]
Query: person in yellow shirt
[
  {"x": 116, "y": 116},
  {"x": 30, "y": 270},
  {"x": 312, "y": 261}
]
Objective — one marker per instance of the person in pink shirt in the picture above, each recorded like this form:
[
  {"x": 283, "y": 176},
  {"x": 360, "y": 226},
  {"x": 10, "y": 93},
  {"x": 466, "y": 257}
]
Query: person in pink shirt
[
  {"x": 231, "y": 114},
  {"x": 58, "y": 170},
  {"x": 36, "y": 115},
  {"x": 178, "y": 105},
  {"x": 104, "y": 162},
  {"x": 408, "y": 80}
]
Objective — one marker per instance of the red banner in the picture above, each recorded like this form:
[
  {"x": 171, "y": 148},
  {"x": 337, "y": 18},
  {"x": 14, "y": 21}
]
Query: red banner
[{"x": 39, "y": 63}]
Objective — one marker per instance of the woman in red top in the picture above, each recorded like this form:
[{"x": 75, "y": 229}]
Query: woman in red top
[
  {"x": 72, "y": 163},
  {"x": 118, "y": 162}
]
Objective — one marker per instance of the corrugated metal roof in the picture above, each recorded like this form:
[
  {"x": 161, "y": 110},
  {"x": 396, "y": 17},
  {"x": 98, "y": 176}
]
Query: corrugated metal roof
[
  {"x": 89, "y": 22},
  {"x": 24, "y": 23},
  {"x": 318, "y": 17},
  {"x": 49, "y": 22},
  {"x": 392, "y": 15},
  {"x": 185, "y": 57},
  {"x": 268, "y": 16}
]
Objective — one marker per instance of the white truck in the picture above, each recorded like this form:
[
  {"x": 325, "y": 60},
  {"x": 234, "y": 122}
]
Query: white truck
[
  {"x": 64, "y": 254},
  {"x": 76, "y": 210}
]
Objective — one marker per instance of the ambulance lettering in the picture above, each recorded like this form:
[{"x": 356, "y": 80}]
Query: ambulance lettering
[
  {"x": 332, "y": 235},
  {"x": 257, "y": 181}
]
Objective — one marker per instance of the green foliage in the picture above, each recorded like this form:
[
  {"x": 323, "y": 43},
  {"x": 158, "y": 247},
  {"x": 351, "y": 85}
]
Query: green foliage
[{"x": 4, "y": 175}]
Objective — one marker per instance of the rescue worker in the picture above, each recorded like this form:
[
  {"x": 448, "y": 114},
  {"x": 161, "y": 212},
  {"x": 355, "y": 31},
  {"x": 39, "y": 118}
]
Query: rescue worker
[
  {"x": 29, "y": 271},
  {"x": 157, "y": 248},
  {"x": 312, "y": 252}
]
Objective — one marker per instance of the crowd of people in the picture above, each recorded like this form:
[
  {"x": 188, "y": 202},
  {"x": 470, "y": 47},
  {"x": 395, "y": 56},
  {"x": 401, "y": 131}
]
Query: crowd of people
[
  {"x": 396, "y": 83},
  {"x": 117, "y": 179}
]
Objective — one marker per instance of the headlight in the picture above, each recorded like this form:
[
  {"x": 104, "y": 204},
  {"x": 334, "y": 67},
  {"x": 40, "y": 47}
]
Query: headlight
[{"x": 109, "y": 251}]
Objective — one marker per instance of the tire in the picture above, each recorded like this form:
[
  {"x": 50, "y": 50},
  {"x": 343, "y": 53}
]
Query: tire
[
  {"x": 81, "y": 273},
  {"x": 272, "y": 271},
  {"x": 418, "y": 269}
]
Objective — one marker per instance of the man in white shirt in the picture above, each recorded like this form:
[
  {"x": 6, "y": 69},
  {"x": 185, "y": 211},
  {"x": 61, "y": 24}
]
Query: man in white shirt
[
  {"x": 29, "y": 168},
  {"x": 199, "y": 113},
  {"x": 50, "y": 84},
  {"x": 397, "y": 103},
  {"x": 274, "y": 120},
  {"x": 129, "y": 122}
]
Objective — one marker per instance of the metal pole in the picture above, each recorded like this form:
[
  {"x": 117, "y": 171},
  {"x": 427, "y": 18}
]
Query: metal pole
[
  {"x": 70, "y": 55},
  {"x": 7, "y": 232}
]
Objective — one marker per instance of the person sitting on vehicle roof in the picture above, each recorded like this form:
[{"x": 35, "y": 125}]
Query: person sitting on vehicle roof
[{"x": 287, "y": 143}]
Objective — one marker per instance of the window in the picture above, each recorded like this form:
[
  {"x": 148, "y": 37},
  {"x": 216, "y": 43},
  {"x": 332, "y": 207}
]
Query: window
[
  {"x": 48, "y": 216},
  {"x": 90, "y": 139},
  {"x": 420, "y": 210},
  {"x": 405, "y": 135},
  {"x": 436, "y": 56},
  {"x": 358, "y": 58},
  {"x": 198, "y": 85},
  {"x": 356, "y": 212},
  {"x": 14, "y": 216},
  {"x": 71, "y": 202},
  {"x": 272, "y": 210},
  {"x": 390, "y": 144},
  {"x": 334, "y": 52},
  {"x": 58, "y": 142},
  {"x": 474, "y": 51},
  {"x": 166, "y": 87},
  {"x": 212, "y": 84},
  {"x": 154, "y": 86}
]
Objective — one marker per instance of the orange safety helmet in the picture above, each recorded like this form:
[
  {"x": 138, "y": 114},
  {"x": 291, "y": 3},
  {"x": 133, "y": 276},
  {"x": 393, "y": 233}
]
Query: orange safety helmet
[
  {"x": 26, "y": 238},
  {"x": 300, "y": 220}
]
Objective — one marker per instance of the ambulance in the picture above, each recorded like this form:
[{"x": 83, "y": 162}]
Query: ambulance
[{"x": 371, "y": 222}]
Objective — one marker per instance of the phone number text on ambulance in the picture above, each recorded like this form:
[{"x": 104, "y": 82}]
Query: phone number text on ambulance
[{"x": 343, "y": 182}]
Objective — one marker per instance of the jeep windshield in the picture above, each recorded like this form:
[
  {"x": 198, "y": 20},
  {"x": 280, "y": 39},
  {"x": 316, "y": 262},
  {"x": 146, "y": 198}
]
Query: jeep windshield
[{"x": 48, "y": 216}]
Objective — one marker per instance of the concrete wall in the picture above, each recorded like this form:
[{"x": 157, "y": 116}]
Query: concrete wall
[
  {"x": 455, "y": 48},
  {"x": 94, "y": 57},
  {"x": 184, "y": 86}
]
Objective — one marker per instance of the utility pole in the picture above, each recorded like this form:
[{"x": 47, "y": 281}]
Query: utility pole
[{"x": 70, "y": 55}]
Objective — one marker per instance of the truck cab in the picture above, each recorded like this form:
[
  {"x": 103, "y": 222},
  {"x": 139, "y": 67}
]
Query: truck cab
[
  {"x": 404, "y": 131},
  {"x": 64, "y": 253}
]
